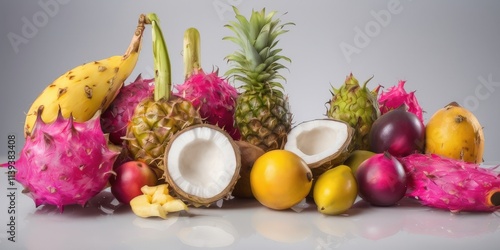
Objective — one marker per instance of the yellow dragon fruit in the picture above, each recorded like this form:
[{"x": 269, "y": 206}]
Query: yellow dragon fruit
[{"x": 450, "y": 184}]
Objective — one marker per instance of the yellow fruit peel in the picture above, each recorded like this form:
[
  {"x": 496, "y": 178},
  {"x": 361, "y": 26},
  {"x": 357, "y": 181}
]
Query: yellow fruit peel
[{"x": 335, "y": 190}]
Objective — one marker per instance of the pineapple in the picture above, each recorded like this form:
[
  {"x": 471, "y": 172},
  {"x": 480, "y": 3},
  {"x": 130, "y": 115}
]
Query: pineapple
[
  {"x": 262, "y": 110},
  {"x": 356, "y": 105},
  {"x": 156, "y": 120}
]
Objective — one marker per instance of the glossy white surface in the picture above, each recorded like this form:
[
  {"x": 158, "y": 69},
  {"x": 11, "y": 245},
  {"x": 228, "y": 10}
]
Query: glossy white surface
[{"x": 242, "y": 224}]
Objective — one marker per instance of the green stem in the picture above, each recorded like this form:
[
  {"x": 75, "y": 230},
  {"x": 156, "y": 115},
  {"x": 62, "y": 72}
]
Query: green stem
[
  {"x": 163, "y": 78},
  {"x": 192, "y": 54}
]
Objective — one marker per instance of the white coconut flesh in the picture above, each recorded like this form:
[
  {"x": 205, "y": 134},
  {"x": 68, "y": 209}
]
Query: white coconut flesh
[
  {"x": 202, "y": 161},
  {"x": 316, "y": 140}
]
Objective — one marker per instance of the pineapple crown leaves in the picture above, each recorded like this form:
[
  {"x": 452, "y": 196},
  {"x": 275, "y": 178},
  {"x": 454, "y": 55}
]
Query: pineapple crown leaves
[{"x": 257, "y": 61}]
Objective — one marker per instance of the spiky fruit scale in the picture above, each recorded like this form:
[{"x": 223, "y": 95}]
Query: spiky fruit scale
[
  {"x": 263, "y": 114},
  {"x": 152, "y": 126},
  {"x": 65, "y": 162},
  {"x": 88, "y": 88},
  {"x": 451, "y": 184},
  {"x": 116, "y": 118},
  {"x": 356, "y": 105},
  {"x": 156, "y": 120},
  {"x": 263, "y": 120},
  {"x": 214, "y": 98},
  {"x": 212, "y": 95},
  {"x": 396, "y": 96}
]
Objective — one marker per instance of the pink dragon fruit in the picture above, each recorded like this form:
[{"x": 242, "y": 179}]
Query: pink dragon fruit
[
  {"x": 396, "y": 96},
  {"x": 214, "y": 98},
  {"x": 212, "y": 95},
  {"x": 116, "y": 117},
  {"x": 65, "y": 162},
  {"x": 451, "y": 184}
]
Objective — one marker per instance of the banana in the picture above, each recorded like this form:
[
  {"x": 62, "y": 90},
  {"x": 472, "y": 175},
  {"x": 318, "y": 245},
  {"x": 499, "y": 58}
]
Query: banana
[{"x": 88, "y": 88}]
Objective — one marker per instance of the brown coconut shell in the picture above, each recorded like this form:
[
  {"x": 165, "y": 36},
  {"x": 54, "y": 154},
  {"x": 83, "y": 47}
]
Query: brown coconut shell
[
  {"x": 193, "y": 199},
  {"x": 249, "y": 154},
  {"x": 338, "y": 158}
]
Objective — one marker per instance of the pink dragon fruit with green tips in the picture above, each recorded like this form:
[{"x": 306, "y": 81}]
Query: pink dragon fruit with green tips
[
  {"x": 214, "y": 98},
  {"x": 450, "y": 184},
  {"x": 115, "y": 118},
  {"x": 65, "y": 162},
  {"x": 212, "y": 95},
  {"x": 396, "y": 96}
]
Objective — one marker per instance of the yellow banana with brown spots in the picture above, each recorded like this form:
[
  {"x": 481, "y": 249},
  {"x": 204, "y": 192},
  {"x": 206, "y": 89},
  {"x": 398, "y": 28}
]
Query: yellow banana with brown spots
[{"x": 88, "y": 88}]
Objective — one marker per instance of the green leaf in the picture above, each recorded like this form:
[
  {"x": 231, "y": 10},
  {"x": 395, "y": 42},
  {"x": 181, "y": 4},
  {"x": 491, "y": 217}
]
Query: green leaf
[
  {"x": 263, "y": 38},
  {"x": 163, "y": 79}
]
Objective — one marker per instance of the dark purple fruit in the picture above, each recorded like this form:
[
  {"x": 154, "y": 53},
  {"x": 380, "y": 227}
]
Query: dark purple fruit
[{"x": 398, "y": 132}]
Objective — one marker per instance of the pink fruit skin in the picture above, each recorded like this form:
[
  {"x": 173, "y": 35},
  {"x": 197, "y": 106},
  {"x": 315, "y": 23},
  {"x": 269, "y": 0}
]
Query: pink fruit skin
[
  {"x": 381, "y": 180},
  {"x": 450, "y": 184},
  {"x": 65, "y": 162},
  {"x": 116, "y": 117},
  {"x": 396, "y": 96},
  {"x": 130, "y": 177},
  {"x": 215, "y": 99}
]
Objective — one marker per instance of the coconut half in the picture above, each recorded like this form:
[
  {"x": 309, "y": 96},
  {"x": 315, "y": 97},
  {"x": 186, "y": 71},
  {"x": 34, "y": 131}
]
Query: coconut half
[
  {"x": 202, "y": 164},
  {"x": 322, "y": 143}
]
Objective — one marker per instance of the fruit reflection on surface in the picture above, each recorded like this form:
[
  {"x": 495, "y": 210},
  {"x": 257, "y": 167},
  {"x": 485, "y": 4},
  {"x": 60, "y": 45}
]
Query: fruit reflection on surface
[
  {"x": 281, "y": 226},
  {"x": 208, "y": 232}
]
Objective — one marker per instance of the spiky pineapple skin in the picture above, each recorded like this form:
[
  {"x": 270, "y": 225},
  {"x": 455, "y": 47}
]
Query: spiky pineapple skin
[
  {"x": 215, "y": 99},
  {"x": 263, "y": 120},
  {"x": 263, "y": 114},
  {"x": 356, "y": 105},
  {"x": 65, "y": 162},
  {"x": 115, "y": 119},
  {"x": 153, "y": 125},
  {"x": 450, "y": 184}
]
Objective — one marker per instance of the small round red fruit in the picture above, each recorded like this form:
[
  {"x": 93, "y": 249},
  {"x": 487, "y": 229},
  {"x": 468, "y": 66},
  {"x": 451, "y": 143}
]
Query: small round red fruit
[
  {"x": 130, "y": 177},
  {"x": 381, "y": 180}
]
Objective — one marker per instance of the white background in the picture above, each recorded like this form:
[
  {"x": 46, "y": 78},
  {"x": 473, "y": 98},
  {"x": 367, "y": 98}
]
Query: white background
[{"x": 442, "y": 48}]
